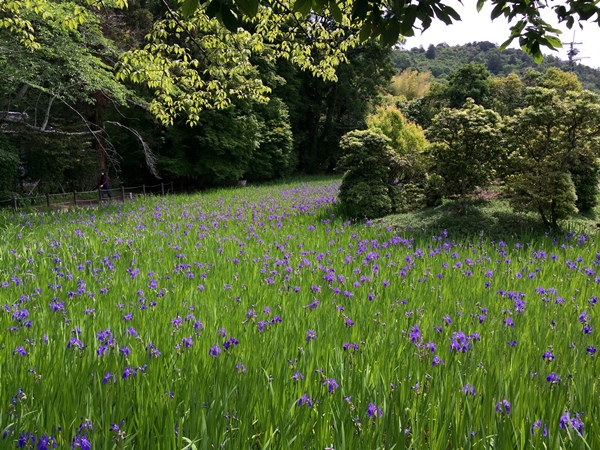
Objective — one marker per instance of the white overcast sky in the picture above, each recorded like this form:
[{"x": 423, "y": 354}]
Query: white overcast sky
[{"x": 479, "y": 27}]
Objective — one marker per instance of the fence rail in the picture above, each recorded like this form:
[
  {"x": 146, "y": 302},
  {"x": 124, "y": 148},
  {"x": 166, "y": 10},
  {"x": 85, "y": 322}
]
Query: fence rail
[{"x": 88, "y": 198}]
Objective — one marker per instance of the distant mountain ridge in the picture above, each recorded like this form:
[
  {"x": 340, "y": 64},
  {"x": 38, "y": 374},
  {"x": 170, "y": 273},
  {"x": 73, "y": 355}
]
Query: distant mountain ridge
[{"x": 443, "y": 59}]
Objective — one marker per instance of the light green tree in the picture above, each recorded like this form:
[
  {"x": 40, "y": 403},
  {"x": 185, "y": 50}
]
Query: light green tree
[
  {"x": 554, "y": 146},
  {"x": 562, "y": 82},
  {"x": 408, "y": 140},
  {"x": 465, "y": 147},
  {"x": 410, "y": 84},
  {"x": 22, "y": 18},
  {"x": 405, "y": 137},
  {"x": 506, "y": 94},
  {"x": 548, "y": 141}
]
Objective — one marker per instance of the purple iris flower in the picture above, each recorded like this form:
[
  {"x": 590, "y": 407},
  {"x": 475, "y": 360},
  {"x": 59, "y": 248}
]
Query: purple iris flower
[
  {"x": 503, "y": 406},
  {"x": 331, "y": 384},
  {"x": 468, "y": 389},
  {"x": 306, "y": 400},
  {"x": 553, "y": 378},
  {"x": 537, "y": 425},
  {"x": 374, "y": 411},
  {"x": 548, "y": 356}
]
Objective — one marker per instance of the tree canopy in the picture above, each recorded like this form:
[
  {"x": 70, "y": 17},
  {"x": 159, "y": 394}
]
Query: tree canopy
[
  {"x": 388, "y": 20},
  {"x": 197, "y": 56}
]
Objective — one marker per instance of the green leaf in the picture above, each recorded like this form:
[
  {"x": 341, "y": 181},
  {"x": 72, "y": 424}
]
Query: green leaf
[
  {"x": 497, "y": 11},
  {"x": 444, "y": 17},
  {"x": 506, "y": 43},
  {"x": 248, "y": 7},
  {"x": 480, "y": 4},
  {"x": 586, "y": 14},
  {"x": 189, "y": 7},
  {"x": 335, "y": 11},
  {"x": 303, "y": 6},
  {"x": 389, "y": 35},
  {"x": 360, "y": 9},
  {"x": 533, "y": 48},
  {"x": 561, "y": 11},
  {"x": 213, "y": 8},
  {"x": 397, "y": 6},
  {"x": 319, "y": 5},
  {"x": 516, "y": 29},
  {"x": 407, "y": 29},
  {"x": 452, "y": 13},
  {"x": 229, "y": 19},
  {"x": 570, "y": 22},
  {"x": 553, "y": 42},
  {"x": 365, "y": 31}
]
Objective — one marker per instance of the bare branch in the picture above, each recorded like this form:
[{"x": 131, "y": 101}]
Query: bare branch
[
  {"x": 45, "y": 131},
  {"x": 84, "y": 120},
  {"x": 148, "y": 154}
]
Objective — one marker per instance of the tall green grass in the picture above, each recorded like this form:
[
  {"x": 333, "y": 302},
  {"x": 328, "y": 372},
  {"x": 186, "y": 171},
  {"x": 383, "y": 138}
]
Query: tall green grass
[{"x": 271, "y": 266}]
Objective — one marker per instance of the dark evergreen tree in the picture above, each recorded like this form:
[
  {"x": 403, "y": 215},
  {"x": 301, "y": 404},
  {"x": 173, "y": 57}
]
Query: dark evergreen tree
[
  {"x": 370, "y": 168},
  {"x": 470, "y": 81},
  {"x": 431, "y": 52}
]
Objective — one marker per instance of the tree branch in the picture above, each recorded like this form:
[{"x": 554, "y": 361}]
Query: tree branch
[
  {"x": 148, "y": 154},
  {"x": 47, "y": 115},
  {"x": 45, "y": 131}
]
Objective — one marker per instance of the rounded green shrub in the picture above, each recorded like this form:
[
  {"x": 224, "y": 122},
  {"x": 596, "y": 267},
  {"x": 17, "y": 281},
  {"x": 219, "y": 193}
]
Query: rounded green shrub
[{"x": 369, "y": 187}]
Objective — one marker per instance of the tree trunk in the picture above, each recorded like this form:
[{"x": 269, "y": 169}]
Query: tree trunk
[
  {"x": 312, "y": 149},
  {"x": 553, "y": 214},
  {"x": 543, "y": 216},
  {"x": 463, "y": 193},
  {"x": 97, "y": 124}
]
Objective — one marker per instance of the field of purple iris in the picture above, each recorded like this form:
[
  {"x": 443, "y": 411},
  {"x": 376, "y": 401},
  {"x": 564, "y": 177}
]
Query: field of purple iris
[{"x": 255, "y": 318}]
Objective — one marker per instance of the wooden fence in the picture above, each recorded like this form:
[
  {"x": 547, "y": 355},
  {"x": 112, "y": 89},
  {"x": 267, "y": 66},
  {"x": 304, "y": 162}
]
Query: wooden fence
[{"x": 88, "y": 198}]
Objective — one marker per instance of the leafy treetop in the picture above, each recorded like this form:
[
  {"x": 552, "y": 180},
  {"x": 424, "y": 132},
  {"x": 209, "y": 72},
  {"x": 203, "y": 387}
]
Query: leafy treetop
[
  {"x": 388, "y": 20},
  {"x": 20, "y": 17}
]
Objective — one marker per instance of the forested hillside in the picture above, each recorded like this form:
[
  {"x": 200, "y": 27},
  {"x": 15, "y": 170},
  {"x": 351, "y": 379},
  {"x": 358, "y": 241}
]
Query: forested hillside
[{"x": 442, "y": 60}]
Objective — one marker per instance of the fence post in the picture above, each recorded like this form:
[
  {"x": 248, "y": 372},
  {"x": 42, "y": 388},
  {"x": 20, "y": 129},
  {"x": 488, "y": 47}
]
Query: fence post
[
  {"x": 47, "y": 200},
  {"x": 144, "y": 189},
  {"x": 172, "y": 190},
  {"x": 15, "y": 201},
  {"x": 162, "y": 188},
  {"x": 99, "y": 195},
  {"x": 75, "y": 198},
  {"x": 123, "y": 193}
]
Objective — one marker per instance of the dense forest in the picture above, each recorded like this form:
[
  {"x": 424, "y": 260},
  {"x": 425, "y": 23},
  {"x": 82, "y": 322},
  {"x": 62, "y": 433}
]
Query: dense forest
[
  {"x": 149, "y": 94},
  {"x": 86, "y": 100}
]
